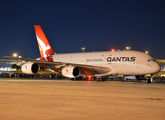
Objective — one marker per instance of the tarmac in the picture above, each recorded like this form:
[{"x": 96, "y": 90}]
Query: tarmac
[{"x": 37, "y": 99}]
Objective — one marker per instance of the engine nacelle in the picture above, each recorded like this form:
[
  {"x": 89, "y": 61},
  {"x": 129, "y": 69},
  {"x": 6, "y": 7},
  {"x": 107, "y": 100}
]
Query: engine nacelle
[
  {"x": 30, "y": 68},
  {"x": 70, "y": 71}
]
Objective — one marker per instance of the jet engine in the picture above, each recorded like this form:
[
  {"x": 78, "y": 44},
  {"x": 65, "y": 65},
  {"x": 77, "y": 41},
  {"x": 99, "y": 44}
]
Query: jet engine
[
  {"x": 70, "y": 71},
  {"x": 30, "y": 68}
]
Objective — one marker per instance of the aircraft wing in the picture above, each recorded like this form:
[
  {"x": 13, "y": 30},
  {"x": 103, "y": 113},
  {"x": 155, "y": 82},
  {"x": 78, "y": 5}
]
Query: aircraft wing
[
  {"x": 90, "y": 69},
  {"x": 85, "y": 69},
  {"x": 9, "y": 60}
]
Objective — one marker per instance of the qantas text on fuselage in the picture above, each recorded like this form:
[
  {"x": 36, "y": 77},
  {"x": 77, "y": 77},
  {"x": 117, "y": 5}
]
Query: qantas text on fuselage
[{"x": 121, "y": 59}]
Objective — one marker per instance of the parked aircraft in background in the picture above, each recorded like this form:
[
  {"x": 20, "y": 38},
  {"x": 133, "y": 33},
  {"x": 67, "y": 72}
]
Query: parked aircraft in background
[{"x": 93, "y": 64}]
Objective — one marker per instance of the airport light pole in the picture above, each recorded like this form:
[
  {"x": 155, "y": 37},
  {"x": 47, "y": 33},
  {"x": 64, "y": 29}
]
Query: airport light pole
[
  {"x": 82, "y": 48},
  {"x": 128, "y": 48}
]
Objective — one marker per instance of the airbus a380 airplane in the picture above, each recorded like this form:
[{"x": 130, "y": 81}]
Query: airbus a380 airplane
[{"x": 94, "y": 64}]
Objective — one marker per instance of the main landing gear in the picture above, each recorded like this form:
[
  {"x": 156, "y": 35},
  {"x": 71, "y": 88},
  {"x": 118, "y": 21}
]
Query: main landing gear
[
  {"x": 100, "y": 79},
  {"x": 89, "y": 78},
  {"x": 148, "y": 80}
]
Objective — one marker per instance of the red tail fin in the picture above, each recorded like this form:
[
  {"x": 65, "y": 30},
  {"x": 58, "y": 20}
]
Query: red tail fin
[{"x": 45, "y": 48}]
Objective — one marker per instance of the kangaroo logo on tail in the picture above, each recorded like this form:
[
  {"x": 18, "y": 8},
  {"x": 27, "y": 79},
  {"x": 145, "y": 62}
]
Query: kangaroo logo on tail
[{"x": 45, "y": 48}]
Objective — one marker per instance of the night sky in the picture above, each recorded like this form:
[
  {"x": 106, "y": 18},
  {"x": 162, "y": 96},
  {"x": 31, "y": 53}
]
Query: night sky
[{"x": 97, "y": 25}]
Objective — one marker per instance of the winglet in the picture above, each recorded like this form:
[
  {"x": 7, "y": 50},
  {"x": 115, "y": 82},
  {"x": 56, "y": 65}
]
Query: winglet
[{"x": 45, "y": 47}]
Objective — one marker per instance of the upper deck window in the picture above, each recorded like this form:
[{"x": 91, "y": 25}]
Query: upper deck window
[{"x": 150, "y": 60}]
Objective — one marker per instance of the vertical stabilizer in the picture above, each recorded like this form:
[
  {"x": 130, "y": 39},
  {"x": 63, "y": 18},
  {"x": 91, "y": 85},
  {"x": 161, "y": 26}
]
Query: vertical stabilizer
[{"x": 45, "y": 48}]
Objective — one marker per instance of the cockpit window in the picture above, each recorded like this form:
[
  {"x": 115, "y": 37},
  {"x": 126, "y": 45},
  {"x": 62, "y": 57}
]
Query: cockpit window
[{"x": 150, "y": 60}]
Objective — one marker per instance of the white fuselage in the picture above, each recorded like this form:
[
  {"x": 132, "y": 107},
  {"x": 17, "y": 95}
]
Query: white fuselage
[{"x": 125, "y": 62}]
